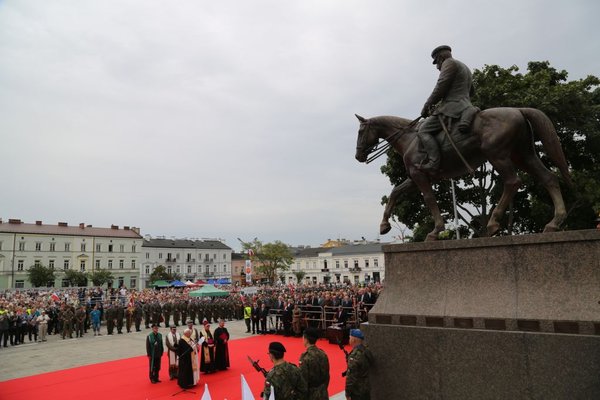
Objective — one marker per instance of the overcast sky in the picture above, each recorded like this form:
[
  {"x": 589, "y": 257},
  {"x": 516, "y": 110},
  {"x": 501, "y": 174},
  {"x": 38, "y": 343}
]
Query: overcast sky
[{"x": 236, "y": 118}]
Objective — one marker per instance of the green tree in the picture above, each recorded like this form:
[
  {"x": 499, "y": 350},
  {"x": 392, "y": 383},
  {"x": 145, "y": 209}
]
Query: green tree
[
  {"x": 160, "y": 273},
  {"x": 299, "y": 275},
  {"x": 76, "y": 278},
  {"x": 269, "y": 257},
  {"x": 574, "y": 108},
  {"x": 100, "y": 276},
  {"x": 39, "y": 275}
]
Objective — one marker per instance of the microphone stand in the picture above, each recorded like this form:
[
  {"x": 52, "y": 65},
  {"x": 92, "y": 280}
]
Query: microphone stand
[{"x": 193, "y": 344}]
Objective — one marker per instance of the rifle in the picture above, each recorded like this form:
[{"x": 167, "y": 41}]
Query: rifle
[
  {"x": 257, "y": 367},
  {"x": 341, "y": 346}
]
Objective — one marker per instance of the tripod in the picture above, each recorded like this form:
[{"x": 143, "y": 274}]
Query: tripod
[{"x": 182, "y": 391}]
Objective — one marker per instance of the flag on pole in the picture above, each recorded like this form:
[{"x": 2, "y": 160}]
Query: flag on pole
[
  {"x": 246, "y": 392},
  {"x": 206, "y": 395}
]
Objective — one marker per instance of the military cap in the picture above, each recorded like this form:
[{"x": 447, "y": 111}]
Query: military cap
[
  {"x": 357, "y": 333},
  {"x": 276, "y": 346},
  {"x": 438, "y": 49},
  {"x": 172, "y": 326},
  {"x": 189, "y": 321}
]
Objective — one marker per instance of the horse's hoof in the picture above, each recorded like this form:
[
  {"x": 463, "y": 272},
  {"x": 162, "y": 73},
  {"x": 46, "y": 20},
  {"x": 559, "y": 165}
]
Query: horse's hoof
[
  {"x": 493, "y": 229},
  {"x": 384, "y": 228},
  {"x": 550, "y": 228},
  {"x": 431, "y": 237}
]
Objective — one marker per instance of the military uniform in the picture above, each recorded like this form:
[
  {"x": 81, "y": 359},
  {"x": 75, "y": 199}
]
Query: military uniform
[
  {"x": 314, "y": 366},
  {"x": 287, "y": 382},
  {"x": 357, "y": 378}
]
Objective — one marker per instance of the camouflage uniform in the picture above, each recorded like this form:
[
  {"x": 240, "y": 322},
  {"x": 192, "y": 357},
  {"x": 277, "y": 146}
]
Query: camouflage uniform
[
  {"x": 287, "y": 382},
  {"x": 357, "y": 379},
  {"x": 314, "y": 366}
]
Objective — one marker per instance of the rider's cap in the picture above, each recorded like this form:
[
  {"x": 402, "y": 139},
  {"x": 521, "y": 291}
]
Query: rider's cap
[
  {"x": 276, "y": 346},
  {"x": 438, "y": 49},
  {"x": 357, "y": 333}
]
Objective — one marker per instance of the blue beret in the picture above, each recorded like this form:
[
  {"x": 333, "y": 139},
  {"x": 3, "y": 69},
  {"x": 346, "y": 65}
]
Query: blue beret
[{"x": 357, "y": 333}]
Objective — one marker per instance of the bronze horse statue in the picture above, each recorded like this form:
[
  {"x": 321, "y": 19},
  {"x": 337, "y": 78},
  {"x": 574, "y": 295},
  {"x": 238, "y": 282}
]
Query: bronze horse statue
[{"x": 503, "y": 136}]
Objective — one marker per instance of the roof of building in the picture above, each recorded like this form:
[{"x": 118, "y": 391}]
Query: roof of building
[
  {"x": 185, "y": 244},
  {"x": 63, "y": 229},
  {"x": 360, "y": 248}
]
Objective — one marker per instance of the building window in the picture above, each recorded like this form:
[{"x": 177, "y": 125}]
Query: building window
[
  {"x": 110, "y": 248},
  {"x": 178, "y": 269},
  {"x": 188, "y": 257},
  {"x": 83, "y": 247},
  {"x": 366, "y": 263},
  {"x": 337, "y": 263},
  {"x": 66, "y": 265},
  {"x": 67, "y": 246},
  {"x": 147, "y": 270},
  {"x": 132, "y": 282},
  {"x": 122, "y": 248},
  {"x": 110, "y": 264},
  {"x": 21, "y": 246},
  {"x": 20, "y": 264},
  {"x": 121, "y": 281},
  {"x": 207, "y": 270},
  {"x": 38, "y": 246},
  {"x": 177, "y": 256},
  {"x": 160, "y": 256},
  {"x": 52, "y": 246},
  {"x": 314, "y": 265},
  {"x": 98, "y": 247},
  {"x": 19, "y": 284},
  {"x": 189, "y": 270},
  {"x": 0, "y": 246},
  {"x": 121, "y": 264},
  {"x": 355, "y": 264},
  {"x": 133, "y": 248},
  {"x": 224, "y": 256},
  {"x": 225, "y": 268},
  {"x": 214, "y": 268},
  {"x": 345, "y": 263},
  {"x": 132, "y": 264},
  {"x": 37, "y": 263},
  {"x": 169, "y": 269},
  {"x": 97, "y": 264},
  {"x": 51, "y": 264},
  {"x": 82, "y": 266},
  {"x": 375, "y": 262}
]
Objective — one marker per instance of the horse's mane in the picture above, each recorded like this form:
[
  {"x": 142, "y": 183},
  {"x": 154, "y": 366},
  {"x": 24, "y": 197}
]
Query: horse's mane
[{"x": 390, "y": 120}]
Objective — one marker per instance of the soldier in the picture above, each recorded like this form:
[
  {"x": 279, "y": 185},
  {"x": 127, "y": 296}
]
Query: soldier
[
  {"x": 154, "y": 350},
  {"x": 167, "y": 310},
  {"x": 183, "y": 310},
  {"x": 79, "y": 321},
  {"x": 147, "y": 309},
  {"x": 314, "y": 366},
  {"x": 191, "y": 311},
  {"x": 137, "y": 315},
  {"x": 360, "y": 360},
  {"x": 67, "y": 316},
  {"x": 110, "y": 315},
  {"x": 120, "y": 314},
  {"x": 156, "y": 313},
  {"x": 285, "y": 379},
  {"x": 176, "y": 313}
]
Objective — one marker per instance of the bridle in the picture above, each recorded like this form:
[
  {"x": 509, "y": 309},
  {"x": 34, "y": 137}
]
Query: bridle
[{"x": 373, "y": 151}]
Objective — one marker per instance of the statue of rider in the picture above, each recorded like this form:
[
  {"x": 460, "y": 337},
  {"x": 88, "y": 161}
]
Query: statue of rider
[{"x": 450, "y": 99}]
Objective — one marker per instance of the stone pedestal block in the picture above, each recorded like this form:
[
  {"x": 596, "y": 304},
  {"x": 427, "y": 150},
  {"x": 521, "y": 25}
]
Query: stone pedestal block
[{"x": 514, "y": 317}]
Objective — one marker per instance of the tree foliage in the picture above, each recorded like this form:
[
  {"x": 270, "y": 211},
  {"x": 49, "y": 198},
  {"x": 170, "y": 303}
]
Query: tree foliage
[
  {"x": 76, "y": 278},
  {"x": 573, "y": 107},
  {"x": 269, "y": 257},
  {"x": 101, "y": 276},
  {"x": 39, "y": 275},
  {"x": 160, "y": 273}
]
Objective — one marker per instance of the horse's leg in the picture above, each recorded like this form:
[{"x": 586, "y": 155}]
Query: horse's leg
[
  {"x": 406, "y": 185},
  {"x": 535, "y": 167},
  {"x": 424, "y": 185},
  {"x": 511, "y": 182}
]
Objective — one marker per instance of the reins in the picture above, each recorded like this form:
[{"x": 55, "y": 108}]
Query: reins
[{"x": 378, "y": 152}]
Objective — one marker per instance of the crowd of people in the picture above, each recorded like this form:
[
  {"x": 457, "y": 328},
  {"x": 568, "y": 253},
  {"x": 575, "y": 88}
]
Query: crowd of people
[{"x": 32, "y": 315}]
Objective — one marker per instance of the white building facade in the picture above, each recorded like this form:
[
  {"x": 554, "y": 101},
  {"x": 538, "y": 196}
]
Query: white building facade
[
  {"x": 360, "y": 263},
  {"x": 191, "y": 259},
  {"x": 62, "y": 247}
]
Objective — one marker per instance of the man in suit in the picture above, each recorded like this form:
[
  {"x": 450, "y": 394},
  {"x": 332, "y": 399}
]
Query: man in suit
[{"x": 450, "y": 98}]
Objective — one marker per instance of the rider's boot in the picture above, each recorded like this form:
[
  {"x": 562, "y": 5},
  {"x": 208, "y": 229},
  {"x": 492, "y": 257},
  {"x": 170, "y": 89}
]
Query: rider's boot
[
  {"x": 466, "y": 119},
  {"x": 433, "y": 154}
]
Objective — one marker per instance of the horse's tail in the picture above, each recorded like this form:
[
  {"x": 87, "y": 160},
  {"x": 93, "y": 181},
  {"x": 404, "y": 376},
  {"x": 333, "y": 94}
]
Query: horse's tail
[{"x": 545, "y": 131}]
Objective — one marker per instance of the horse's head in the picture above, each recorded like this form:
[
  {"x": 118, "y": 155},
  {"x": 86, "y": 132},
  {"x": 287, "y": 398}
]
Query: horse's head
[{"x": 367, "y": 138}]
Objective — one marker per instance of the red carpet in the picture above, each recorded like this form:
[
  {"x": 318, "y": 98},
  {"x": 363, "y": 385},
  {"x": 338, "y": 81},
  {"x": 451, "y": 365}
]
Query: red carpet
[{"x": 128, "y": 378}]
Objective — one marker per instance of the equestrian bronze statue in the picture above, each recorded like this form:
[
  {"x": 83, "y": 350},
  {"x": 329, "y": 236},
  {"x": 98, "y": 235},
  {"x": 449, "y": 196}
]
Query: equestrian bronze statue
[{"x": 502, "y": 136}]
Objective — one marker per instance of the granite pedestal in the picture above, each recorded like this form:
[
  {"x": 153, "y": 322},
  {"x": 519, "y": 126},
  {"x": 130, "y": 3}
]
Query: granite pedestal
[{"x": 515, "y": 317}]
